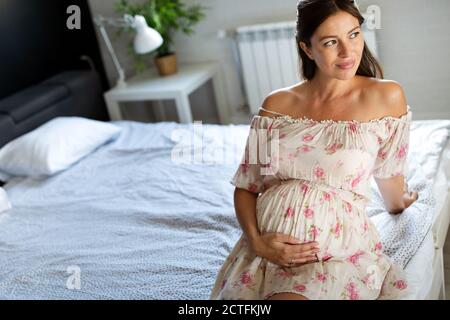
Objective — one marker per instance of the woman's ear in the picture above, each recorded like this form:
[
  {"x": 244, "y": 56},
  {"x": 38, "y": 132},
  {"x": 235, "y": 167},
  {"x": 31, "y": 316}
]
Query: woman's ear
[{"x": 306, "y": 49}]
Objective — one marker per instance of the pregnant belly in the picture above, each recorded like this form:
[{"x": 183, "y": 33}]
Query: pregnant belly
[{"x": 310, "y": 212}]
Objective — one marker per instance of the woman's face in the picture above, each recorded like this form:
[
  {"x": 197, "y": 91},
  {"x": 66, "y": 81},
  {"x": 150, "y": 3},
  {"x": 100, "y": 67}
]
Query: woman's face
[{"x": 337, "y": 46}]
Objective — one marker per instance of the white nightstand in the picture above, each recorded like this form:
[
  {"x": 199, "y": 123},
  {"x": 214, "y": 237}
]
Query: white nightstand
[{"x": 150, "y": 86}]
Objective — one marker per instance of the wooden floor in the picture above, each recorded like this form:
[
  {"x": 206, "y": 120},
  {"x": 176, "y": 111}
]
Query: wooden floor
[{"x": 447, "y": 265}]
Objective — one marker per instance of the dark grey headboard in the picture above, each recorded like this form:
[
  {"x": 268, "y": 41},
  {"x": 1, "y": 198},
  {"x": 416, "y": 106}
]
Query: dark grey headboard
[{"x": 71, "y": 93}]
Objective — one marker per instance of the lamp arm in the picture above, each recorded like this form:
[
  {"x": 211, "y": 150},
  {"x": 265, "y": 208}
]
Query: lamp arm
[
  {"x": 146, "y": 40},
  {"x": 121, "y": 80}
]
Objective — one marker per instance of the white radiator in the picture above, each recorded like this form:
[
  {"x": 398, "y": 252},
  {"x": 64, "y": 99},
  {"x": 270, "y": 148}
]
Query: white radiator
[{"x": 269, "y": 59}]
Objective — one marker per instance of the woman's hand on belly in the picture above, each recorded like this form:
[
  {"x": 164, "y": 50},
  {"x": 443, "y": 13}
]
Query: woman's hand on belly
[{"x": 285, "y": 250}]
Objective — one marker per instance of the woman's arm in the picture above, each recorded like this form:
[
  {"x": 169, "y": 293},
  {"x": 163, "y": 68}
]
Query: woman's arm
[
  {"x": 245, "y": 206},
  {"x": 394, "y": 190},
  {"x": 395, "y": 194}
]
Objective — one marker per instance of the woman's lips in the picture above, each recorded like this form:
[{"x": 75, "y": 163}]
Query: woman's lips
[{"x": 348, "y": 65}]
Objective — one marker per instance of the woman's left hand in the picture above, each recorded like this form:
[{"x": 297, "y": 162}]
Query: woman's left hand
[{"x": 410, "y": 197}]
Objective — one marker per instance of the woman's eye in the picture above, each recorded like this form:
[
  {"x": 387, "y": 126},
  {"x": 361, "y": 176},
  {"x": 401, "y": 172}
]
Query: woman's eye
[
  {"x": 331, "y": 42},
  {"x": 357, "y": 33}
]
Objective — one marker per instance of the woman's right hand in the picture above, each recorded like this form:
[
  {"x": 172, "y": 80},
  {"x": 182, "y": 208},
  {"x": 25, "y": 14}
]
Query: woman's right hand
[{"x": 285, "y": 250}]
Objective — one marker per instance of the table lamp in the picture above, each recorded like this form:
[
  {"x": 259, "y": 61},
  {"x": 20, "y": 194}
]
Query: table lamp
[{"x": 146, "y": 39}]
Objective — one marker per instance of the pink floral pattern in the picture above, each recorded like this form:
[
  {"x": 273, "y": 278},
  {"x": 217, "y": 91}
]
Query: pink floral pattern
[
  {"x": 300, "y": 288},
  {"x": 321, "y": 277},
  {"x": 304, "y": 188},
  {"x": 331, "y": 149},
  {"x": 317, "y": 194},
  {"x": 304, "y": 149},
  {"x": 314, "y": 232},
  {"x": 354, "y": 258},
  {"x": 289, "y": 212},
  {"x": 351, "y": 291},
  {"x": 336, "y": 229},
  {"x": 319, "y": 172},
  {"x": 400, "y": 284},
  {"x": 308, "y": 137},
  {"x": 245, "y": 278},
  {"x": 308, "y": 212}
]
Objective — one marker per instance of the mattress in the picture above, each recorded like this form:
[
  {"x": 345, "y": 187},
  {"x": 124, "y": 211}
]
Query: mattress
[
  {"x": 419, "y": 271},
  {"x": 133, "y": 221}
]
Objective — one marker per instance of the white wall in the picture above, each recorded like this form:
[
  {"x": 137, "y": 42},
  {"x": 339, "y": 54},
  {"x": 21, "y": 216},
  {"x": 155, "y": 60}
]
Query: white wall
[{"x": 414, "y": 48}]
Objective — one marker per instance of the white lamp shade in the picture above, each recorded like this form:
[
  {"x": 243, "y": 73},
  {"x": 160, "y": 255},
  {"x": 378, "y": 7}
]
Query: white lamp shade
[{"x": 147, "y": 39}]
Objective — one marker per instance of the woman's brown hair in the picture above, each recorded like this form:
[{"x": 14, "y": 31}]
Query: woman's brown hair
[{"x": 310, "y": 15}]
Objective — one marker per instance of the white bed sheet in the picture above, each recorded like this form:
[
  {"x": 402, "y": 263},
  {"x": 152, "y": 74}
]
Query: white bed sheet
[{"x": 419, "y": 270}]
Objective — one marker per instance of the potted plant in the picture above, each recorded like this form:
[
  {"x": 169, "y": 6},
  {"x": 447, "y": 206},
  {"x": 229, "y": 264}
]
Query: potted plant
[{"x": 167, "y": 17}]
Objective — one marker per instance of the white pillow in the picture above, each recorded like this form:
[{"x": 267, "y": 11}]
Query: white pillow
[
  {"x": 55, "y": 146},
  {"x": 4, "y": 201}
]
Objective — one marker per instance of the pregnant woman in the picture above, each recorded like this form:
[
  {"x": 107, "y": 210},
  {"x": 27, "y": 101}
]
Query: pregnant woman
[{"x": 304, "y": 180}]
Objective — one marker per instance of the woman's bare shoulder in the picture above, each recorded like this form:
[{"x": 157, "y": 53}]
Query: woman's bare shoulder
[
  {"x": 386, "y": 96},
  {"x": 282, "y": 100}
]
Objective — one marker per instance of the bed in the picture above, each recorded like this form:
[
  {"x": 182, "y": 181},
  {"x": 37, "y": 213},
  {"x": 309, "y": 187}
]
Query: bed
[
  {"x": 426, "y": 268},
  {"x": 141, "y": 219}
]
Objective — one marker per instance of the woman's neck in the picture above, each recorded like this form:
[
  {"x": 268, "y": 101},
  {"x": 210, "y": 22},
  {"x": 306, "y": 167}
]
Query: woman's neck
[{"x": 325, "y": 90}]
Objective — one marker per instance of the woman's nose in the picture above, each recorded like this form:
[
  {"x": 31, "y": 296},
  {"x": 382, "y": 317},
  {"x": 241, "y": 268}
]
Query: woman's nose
[{"x": 344, "y": 50}]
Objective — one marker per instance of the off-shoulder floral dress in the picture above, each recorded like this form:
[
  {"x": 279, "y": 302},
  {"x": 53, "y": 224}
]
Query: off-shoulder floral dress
[{"x": 315, "y": 186}]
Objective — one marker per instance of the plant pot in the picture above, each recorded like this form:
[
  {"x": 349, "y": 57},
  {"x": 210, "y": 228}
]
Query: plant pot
[{"x": 166, "y": 65}]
